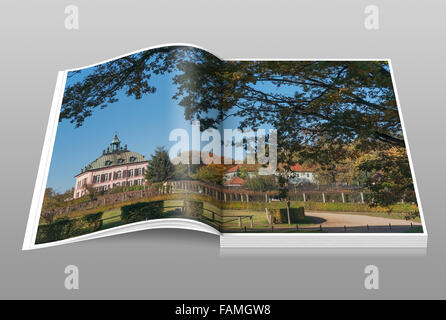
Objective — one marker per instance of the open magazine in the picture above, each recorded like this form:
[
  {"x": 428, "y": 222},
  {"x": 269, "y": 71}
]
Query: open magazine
[{"x": 262, "y": 153}]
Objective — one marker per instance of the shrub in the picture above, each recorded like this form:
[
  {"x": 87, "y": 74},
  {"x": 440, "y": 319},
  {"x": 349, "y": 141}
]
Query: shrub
[
  {"x": 93, "y": 221},
  {"x": 193, "y": 208},
  {"x": 58, "y": 230},
  {"x": 142, "y": 211},
  {"x": 280, "y": 215}
]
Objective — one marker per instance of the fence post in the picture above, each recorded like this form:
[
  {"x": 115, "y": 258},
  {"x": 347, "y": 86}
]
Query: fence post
[
  {"x": 213, "y": 216},
  {"x": 250, "y": 222},
  {"x": 343, "y": 197},
  {"x": 240, "y": 221},
  {"x": 224, "y": 194},
  {"x": 241, "y": 197},
  {"x": 362, "y": 197},
  {"x": 268, "y": 216},
  {"x": 266, "y": 197},
  {"x": 323, "y": 197},
  {"x": 305, "y": 198}
]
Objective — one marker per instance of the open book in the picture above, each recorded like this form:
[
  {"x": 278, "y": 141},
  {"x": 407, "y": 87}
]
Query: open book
[{"x": 262, "y": 153}]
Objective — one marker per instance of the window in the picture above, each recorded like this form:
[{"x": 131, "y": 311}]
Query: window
[
  {"x": 130, "y": 173},
  {"x": 132, "y": 159},
  {"x": 138, "y": 172},
  {"x": 120, "y": 160},
  {"x": 308, "y": 175},
  {"x": 96, "y": 178},
  {"x": 117, "y": 175},
  {"x": 108, "y": 163}
]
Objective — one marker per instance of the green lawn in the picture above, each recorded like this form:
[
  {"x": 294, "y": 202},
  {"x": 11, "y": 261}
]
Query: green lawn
[
  {"x": 260, "y": 221},
  {"x": 112, "y": 218}
]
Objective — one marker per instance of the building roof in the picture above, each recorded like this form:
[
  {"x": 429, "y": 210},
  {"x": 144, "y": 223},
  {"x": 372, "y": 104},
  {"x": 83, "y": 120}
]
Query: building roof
[
  {"x": 235, "y": 181},
  {"x": 299, "y": 168},
  {"x": 249, "y": 167},
  {"x": 115, "y": 155}
]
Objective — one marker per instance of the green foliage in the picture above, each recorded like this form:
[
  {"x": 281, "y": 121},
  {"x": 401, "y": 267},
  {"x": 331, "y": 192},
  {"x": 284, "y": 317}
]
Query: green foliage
[
  {"x": 389, "y": 180},
  {"x": 407, "y": 208},
  {"x": 210, "y": 174},
  {"x": 160, "y": 168},
  {"x": 119, "y": 189},
  {"x": 193, "y": 208},
  {"x": 93, "y": 221},
  {"x": 243, "y": 172},
  {"x": 142, "y": 211},
  {"x": 92, "y": 194},
  {"x": 283, "y": 187},
  {"x": 60, "y": 229},
  {"x": 319, "y": 108},
  {"x": 279, "y": 216},
  {"x": 261, "y": 183},
  {"x": 64, "y": 227}
]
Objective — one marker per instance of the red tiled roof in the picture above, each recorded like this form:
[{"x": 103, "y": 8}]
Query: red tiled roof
[
  {"x": 298, "y": 168},
  {"x": 249, "y": 167},
  {"x": 235, "y": 180}
]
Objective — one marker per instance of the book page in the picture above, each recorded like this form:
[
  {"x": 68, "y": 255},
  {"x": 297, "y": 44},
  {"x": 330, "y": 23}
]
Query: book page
[{"x": 126, "y": 151}]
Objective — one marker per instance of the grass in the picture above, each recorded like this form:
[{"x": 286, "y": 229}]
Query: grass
[
  {"x": 415, "y": 229},
  {"x": 260, "y": 222},
  {"x": 224, "y": 210},
  {"x": 111, "y": 218}
]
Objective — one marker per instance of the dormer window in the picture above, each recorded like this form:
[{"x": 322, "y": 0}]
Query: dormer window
[
  {"x": 108, "y": 163},
  {"x": 132, "y": 159},
  {"x": 120, "y": 160}
]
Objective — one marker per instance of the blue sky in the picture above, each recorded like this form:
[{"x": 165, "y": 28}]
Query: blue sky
[{"x": 142, "y": 124}]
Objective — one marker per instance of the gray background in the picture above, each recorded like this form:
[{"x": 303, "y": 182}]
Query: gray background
[{"x": 34, "y": 45}]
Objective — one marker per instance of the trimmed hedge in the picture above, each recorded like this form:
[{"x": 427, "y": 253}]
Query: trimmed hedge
[
  {"x": 193, "y": 208},
  {"x": 142, "y": 211},
  {"x": 280, "y": 215},
  {"x": 321, "y": 206},
  {"x": 93, "y": 221},
  {"x": 64, "y": 228}
]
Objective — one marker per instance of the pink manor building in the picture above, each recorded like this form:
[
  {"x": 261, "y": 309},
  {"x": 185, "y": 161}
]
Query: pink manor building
[{"x": 117, "y": 166}]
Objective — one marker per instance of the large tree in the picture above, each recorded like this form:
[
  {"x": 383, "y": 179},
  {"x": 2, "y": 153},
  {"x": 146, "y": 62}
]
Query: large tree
[
  {"x": 307, "y": 101},
  {"x": 160, "y": 168},
  {"x": 319, "y": 108}
]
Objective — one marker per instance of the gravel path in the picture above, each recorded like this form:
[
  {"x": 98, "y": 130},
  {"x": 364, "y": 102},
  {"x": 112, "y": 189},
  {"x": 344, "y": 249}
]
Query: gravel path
[{"x": 354, "y": 222}]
